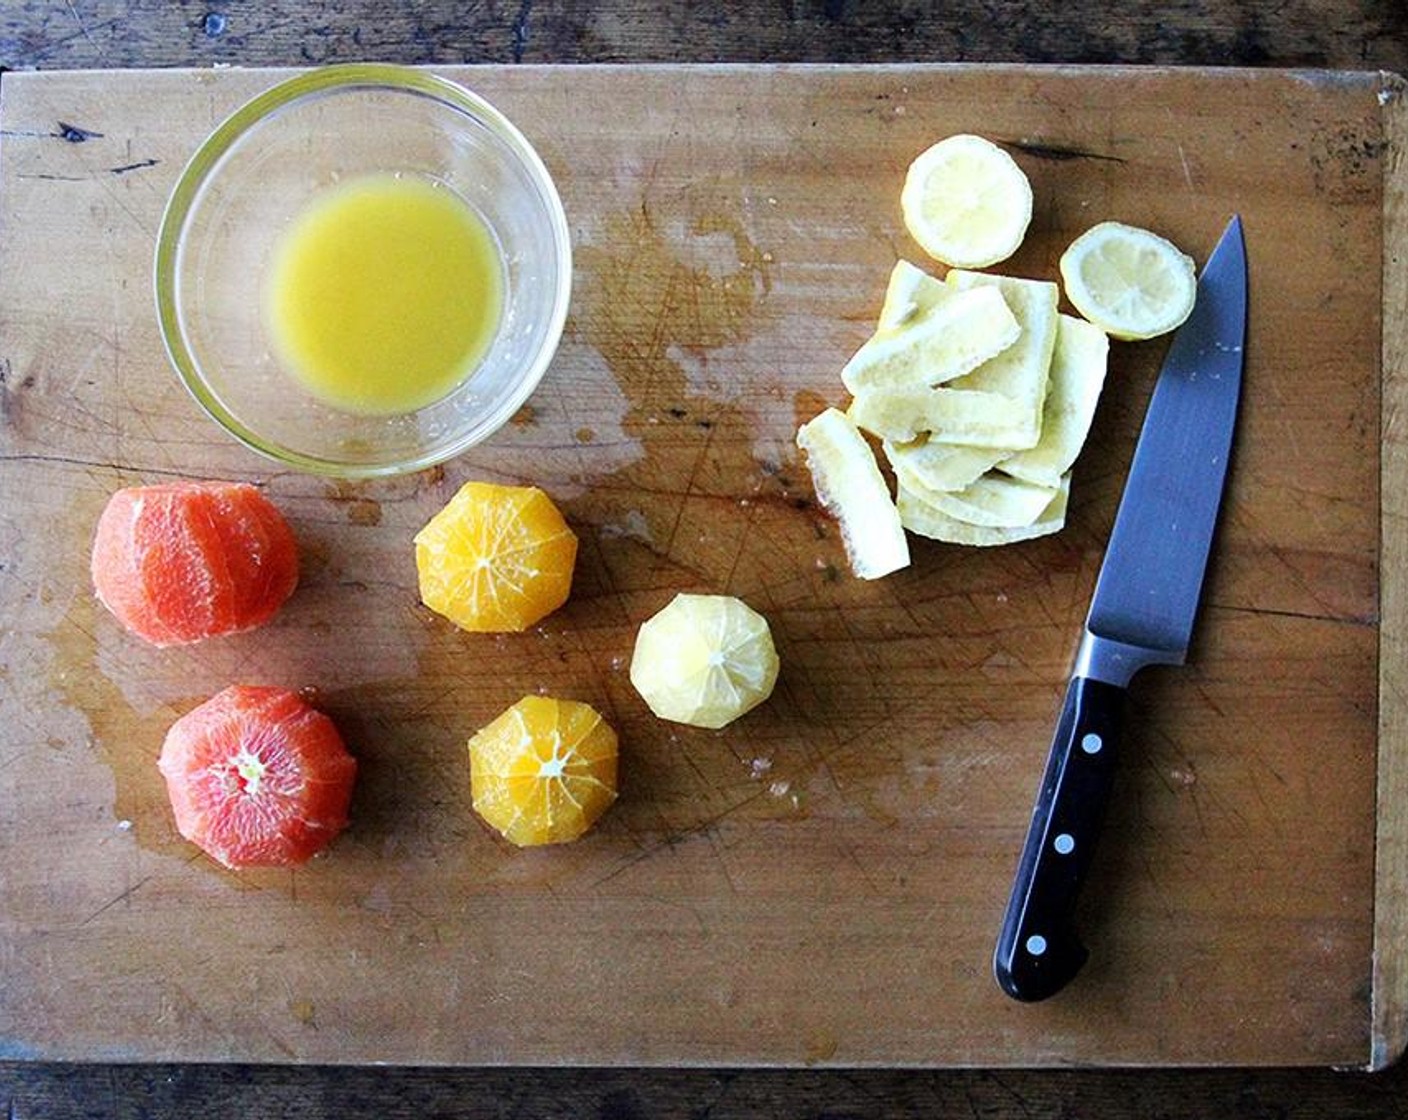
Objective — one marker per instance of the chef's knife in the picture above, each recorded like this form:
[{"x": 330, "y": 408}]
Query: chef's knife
[{"x": 1142, "y": 614}]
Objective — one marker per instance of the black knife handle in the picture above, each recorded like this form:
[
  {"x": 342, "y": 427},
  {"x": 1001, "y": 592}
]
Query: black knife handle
[{"x": 1038, "y": 952}]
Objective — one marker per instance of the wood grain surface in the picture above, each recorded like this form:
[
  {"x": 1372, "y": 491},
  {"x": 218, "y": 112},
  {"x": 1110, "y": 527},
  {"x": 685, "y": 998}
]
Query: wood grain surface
[
  {"x": 1391, "y": 986},
  {"x": 77, "y": 34},
  {"x": 1351, "y": 35},
  {"x": 731, "y": 250},
  {"x": 819, "y": 882}
]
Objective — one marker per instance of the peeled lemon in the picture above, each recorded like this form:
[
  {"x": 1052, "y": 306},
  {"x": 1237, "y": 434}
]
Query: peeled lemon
[
  {"x": 928, "y": 521},
  {"x": 966, "y": 202},
  {"x": 1129, "y": 282},
  {"x": 704, "y": 660}
]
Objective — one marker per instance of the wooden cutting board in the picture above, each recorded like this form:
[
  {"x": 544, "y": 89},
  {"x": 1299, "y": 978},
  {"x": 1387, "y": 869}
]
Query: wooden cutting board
[{"x": 821, "y": 882}]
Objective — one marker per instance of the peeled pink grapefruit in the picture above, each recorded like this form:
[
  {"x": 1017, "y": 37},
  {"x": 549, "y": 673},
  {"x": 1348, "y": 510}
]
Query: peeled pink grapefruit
[
  {"x": 257, "y": 777},
  {"x": 183, "y": 561}
]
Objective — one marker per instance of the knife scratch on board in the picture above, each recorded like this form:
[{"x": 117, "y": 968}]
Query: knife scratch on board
[
  {"x": 1187, "y": 174},
  {"x": 123, "y": 169},
  {"x": 670, "y": 840},
  {"x": 71, "y": 133},
  {"x": 6, "y": 372},
  {"x": 1060, "y": 152},
  {"x": 1147, "y": 862},
  {"x": 721, "y": 858},
  {"x": 122, "y": 897},
  {"x": 1368, "y": 618},
  {"x": 119, "y": 169}
]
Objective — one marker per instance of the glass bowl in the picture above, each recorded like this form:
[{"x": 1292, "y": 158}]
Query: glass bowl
[{"x": 259, "y": 170}]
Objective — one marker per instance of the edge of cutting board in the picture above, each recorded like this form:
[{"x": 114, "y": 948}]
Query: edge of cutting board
[
  {"x": 1390, "y": 978},
  {"x": 1389, "y": 1017}
]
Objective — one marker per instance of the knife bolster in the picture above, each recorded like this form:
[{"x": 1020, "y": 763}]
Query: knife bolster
[{"x": 1114, "y": 662}]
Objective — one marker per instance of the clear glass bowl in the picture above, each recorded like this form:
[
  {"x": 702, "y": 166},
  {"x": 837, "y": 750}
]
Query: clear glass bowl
[{"x": 260, "y": 168}]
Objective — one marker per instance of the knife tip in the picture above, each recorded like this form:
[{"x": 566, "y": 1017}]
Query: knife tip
[{"x": 1230, "y": 247}]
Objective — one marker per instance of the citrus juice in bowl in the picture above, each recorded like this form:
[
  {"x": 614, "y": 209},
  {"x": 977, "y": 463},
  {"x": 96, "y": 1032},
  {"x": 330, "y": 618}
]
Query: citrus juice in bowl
[
  {"x": 364, "y": 271},
  {"x": 384, "y": 294}
]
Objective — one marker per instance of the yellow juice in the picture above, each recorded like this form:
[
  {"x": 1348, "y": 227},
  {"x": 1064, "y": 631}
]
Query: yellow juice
[{"x": 384, "y": 293}]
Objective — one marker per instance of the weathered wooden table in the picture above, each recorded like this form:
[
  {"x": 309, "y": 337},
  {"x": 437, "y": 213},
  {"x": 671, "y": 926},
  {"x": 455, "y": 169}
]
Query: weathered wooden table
[{"x": 1343, "y": 562}]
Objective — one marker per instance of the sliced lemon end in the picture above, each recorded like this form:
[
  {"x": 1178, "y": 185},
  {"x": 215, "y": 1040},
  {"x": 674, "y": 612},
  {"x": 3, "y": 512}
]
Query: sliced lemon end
[
  {"x": 994, "y": 501},
  {"x": 704, "y": 660},
  {"x": 1020, "y": 372},
  {"x": 931, "y": 464},
  {"x": 966, "y": 202},
  {"x": 849, "y": 484},
  {"x": 1129, "y": 282},
  {"x": 968, "y": 416},
  {"x": 1077, "y": 377}
]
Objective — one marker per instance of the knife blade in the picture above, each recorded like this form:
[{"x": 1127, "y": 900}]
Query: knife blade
[{"x": 1142, "y": 613}]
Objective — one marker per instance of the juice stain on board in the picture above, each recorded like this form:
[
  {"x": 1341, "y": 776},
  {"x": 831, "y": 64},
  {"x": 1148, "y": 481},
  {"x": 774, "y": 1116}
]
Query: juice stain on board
[
  {"x": 650, "y": 304},
  {"x": 675, "y": 305},
  {"x": 671, "y": 304},
  {"x": 128, "y": 741}
]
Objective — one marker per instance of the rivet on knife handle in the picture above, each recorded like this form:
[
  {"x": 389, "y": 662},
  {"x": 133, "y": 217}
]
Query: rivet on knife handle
[{"x": 1038, "y": 951}]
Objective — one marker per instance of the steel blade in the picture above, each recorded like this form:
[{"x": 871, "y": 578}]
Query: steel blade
[{"x": 1148, "y": 589}]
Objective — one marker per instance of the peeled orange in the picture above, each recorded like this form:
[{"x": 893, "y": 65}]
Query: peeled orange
[
  {"x": 257, "y": 777},
  {"x": 496, "y": 558},
  {"x": 543, "y": 771},
  {"x": 183, "y": 561}
]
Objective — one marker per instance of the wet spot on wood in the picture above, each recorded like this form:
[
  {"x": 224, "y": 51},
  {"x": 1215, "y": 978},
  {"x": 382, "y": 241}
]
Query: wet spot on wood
[
  {"x": 821, "y": 1046},
  {"x": 125, "y": 739},
  {"x": 360, "y": 509},
  {"x": 364, "y": 511},
  {"x": 304, "y": 1011}
]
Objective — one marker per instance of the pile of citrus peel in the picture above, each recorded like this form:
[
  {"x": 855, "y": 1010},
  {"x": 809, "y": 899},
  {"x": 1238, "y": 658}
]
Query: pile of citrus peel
[{"x": 980, "y": 391}]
